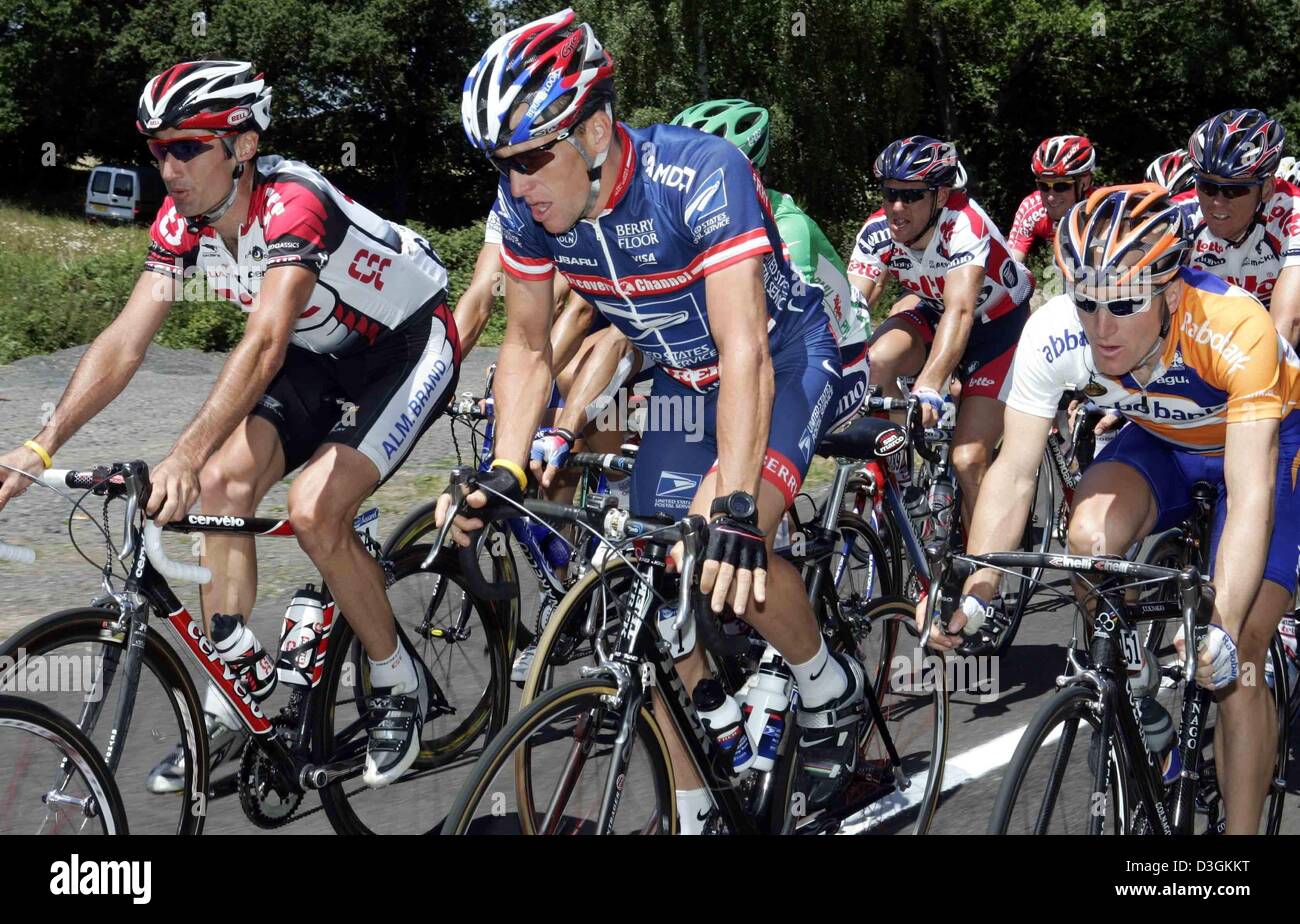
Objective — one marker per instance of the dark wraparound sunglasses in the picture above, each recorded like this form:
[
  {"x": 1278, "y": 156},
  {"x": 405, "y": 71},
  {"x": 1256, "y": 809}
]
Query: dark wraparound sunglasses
[
  {"x": 1059, "y": 186},
  {"x": 904, "y": 195},
  {"x": 184, "y": 149},
  {"x": 1120, "y": 307},
  {"x": 527, "y": 162},
  {"x": 1226, "y": 190}
]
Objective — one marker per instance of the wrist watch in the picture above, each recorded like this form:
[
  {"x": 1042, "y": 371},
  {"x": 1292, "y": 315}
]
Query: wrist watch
[{"x": 739, "y": 505}]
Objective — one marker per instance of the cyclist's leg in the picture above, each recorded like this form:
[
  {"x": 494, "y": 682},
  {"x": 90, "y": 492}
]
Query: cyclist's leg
[
  {"x": 233, "y": 482},
  {"x": 899, "y": 347},
  {"x": 1246, "y": 746},
  {"x": 1135, "y": 487}
]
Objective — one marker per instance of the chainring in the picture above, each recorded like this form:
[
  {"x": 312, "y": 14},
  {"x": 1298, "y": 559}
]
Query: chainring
[{"x": 266, "y": 797}]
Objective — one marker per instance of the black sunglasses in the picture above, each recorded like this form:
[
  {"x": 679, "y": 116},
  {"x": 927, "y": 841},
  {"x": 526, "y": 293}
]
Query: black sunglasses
[
  {"x": 527, "y": 162},
  {"x": 183, "y": 149},
  {"x": 893, "y": 194},
  {"x": 1120, "y": 307},
  {"x": 1227, "y": 191},
  {"x": 1058, "y": 187}
]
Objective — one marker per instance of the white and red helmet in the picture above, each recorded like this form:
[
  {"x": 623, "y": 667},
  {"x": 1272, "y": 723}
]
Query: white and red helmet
[
  {"x": 216, "y": 95},
  {"x": 1064, "y": 156},
  {"x": 547, "y": 62}
]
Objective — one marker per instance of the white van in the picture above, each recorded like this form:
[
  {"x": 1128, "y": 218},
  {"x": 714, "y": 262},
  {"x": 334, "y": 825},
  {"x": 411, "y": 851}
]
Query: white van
[{"x": 123, "y": 193}]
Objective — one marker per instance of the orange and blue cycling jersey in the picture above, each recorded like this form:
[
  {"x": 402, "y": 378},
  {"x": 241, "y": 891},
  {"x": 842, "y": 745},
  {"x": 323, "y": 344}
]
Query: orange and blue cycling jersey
[{"x": 1223, "y": 363}]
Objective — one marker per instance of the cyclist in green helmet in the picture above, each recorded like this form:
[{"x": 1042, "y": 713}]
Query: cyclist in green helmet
[{"x": 748, "y": 127}]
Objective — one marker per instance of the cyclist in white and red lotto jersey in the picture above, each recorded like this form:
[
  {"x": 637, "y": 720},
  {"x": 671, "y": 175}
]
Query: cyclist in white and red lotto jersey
[
  {"x": 974, "y": 297},
  {"x": 348, "y": 354},
  {"x": 1062, "y": 167},
  {"x": 1245, "y": 220}
]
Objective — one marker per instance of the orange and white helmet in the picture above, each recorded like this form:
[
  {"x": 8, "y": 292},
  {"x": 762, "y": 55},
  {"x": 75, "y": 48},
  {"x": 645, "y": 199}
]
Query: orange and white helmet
[{"x": 1122, "y": 235}]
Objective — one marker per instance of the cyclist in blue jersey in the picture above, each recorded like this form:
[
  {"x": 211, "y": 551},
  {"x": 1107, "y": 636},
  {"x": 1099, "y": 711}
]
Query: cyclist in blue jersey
[{"x": 667, "y": 232}]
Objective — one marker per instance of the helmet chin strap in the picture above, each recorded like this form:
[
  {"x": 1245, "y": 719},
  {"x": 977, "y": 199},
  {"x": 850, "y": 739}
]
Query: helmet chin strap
[
  {"x": 593, "y": 173},
  {"x": 199, "y": 222},
  {"x": 1159, "y": 343},
  {"x": 934, "y": 216}
]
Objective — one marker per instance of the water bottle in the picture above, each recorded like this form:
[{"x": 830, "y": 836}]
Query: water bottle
[
  {"x": 304, "y": 622},
  {"x": 942, "y": 494},
  {"x": 1158, "y": 728},
  {"x": 722, "y": 717},
  {"x": 681, "y": 641},
  {"x": 239, "y": 648},
  {"x": 764, "y": 708}
]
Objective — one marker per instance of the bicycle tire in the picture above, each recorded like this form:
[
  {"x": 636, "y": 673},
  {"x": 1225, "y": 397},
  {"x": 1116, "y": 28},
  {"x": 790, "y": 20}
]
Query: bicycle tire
[
  {"x": 500, "y": 752},
  {"x": 33, "y": 717},
  {"x": 1073, "y": 700},
  {"x": 87, "y": 625},
  {"x": 484, "y": 718}
]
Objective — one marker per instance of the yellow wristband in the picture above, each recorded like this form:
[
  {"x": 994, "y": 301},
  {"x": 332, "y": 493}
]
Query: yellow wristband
[
  {"x": 513, "y": 469},
  {"x": 40, "y": 451}
]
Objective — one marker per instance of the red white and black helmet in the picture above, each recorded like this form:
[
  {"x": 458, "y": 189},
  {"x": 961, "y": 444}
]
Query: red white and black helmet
[
  {"x": 1173, "y": 171},
  {"x": 553, "y": 66},
  {"x": 1064, "y": 156},
  {"x": 214, "y": 95}
]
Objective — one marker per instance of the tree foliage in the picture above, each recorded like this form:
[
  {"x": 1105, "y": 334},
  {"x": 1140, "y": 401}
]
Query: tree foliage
[{"x": 841, "y": 77}]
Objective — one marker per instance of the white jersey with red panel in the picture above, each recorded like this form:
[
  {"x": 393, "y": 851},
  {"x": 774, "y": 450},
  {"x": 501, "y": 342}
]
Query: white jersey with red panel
[
  {"x": 1031, "y": 224},
  {"x": 372, "y": 274},
  {"x": 1254, "y": 263},
  {"x": 964, "y": 235}
]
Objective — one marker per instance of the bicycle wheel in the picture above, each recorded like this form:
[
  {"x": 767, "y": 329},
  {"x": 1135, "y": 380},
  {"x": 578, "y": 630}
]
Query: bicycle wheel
[
  {"x": 56, "y": 782},
  {"x": 861, "y": 567},
  {"x": 497, "y": 562},
  {"x": 568, "y": 735},
  {"x": 593, "y": 607},
  {"x": 1050, "y": 785},
  {"x": 71, "y": 662},
  {"x": 462, "y": 642},
  {"x": 911, "y": 688}
]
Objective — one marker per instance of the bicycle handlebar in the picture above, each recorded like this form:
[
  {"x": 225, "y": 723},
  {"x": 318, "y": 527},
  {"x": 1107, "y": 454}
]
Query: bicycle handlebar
[
  {"x": 609, "y": 461},
  {"x": 175, "y": 570}
]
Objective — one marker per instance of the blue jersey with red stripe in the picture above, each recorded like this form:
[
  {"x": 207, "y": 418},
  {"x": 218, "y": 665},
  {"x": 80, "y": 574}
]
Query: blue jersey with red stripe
[{"x": 684, "y": 204}]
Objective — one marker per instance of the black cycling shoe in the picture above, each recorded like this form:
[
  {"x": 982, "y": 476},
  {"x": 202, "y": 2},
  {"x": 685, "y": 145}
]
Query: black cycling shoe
[
  {"x": 828, "y": 740},
  {"x": 395, "y": 721}
]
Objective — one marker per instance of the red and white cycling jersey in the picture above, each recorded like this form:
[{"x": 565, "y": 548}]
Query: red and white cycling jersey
[
  {"x": 964, "y": 235},
  {"x": 372, "y": 274},
  {"x": 1270, "y": 245},
  {"x": 1031, "y": 224}
]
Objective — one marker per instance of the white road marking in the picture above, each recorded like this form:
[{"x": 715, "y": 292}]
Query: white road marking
[{"x": 960, "y": 769}]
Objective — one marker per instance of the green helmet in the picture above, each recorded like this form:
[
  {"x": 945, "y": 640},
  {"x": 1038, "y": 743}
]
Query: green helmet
[{"x": 739, "y": 121}]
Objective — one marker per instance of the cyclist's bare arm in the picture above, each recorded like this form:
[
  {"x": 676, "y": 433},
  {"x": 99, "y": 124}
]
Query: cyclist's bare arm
[
  {"x": 251, "y": 364},
  {"x": 572, "y": 321},
  {"x": 105, "y": 369},
  {"x": 737, "y": 311},
  {"x": 1249, "y": 474},
  {"x": 1285, "y": 304},
  {"x": 474, "y": 306},
  {"x": 1018, "y": 255},
  {"x": 1002, "y": 511},
  {"x": 961, "y": 291},
  {"x": 868, "y": 289},
  {"x": 595, "y": 372},
  {"x": 562, "y": 293}
]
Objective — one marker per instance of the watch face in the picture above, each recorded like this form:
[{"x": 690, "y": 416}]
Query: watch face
[{"x": 741, "y": 506}]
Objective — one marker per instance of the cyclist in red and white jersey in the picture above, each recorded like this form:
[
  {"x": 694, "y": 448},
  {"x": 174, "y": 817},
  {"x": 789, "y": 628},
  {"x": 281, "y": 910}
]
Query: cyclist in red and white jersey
[
  {"x": 1062, "y": 167},
  {"x": 348, "y": 355},
  {"x": 1245, "y": 220},
  {"x": 974, "y": 297}
]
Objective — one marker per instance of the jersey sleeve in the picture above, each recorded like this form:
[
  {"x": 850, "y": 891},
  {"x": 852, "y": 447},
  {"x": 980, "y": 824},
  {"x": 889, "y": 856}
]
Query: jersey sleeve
[
  {"x": 1021, "y": 237},
  {"x": 171, "y": 246},
  {"x": 1246, "y": 354},
  {"x": 1039, "y": 369},
  {"x": 296, "y": 219},
  {"x": 869, "y": 248},
  {"x": 524, "y": 254},
  {"x": 1289, "y": 226},
  {"x": 492, "y": 230},
  {"x": 724, "y": 208},
  {"x": 964, "y": 239}
]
